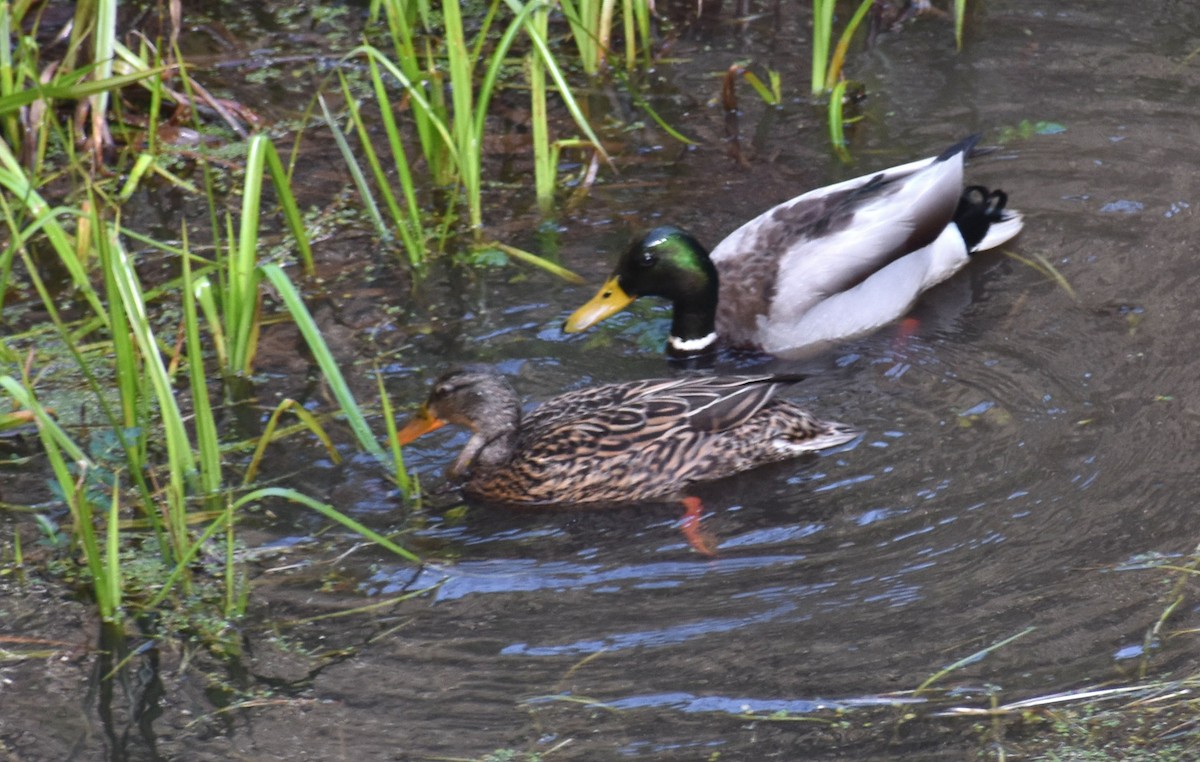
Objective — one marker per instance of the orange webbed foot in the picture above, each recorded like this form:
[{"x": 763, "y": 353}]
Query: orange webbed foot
[{"x": 701, "y": 541}]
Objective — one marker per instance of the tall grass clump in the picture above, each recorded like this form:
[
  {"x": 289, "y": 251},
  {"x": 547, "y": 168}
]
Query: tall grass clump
[
  {"x": 592, "y": 23},
  {"x": 827, "y": 65},
  {"x": 146, "y": 487},
  {"x": 829, "y": 59},
  {"x": 233, "y": 312},
  {"x": 448, "y": 83},
  {"x": 170, "y": 483}
]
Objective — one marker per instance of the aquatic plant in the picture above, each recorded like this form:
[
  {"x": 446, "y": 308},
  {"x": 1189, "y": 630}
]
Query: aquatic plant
[
  {"x": 592, "y": 23},
  {"x": 960, "y": 12},
  {"x": 828, "y": 63},
  {"x": 142, "y": 471},
  {"x": 168, "y": 443},
  {"x": 233, "y": 314},
  {"x": 827, "y": 67},
  {"x": 822, "y": 38},
  {"x": 451, "y": 130}
]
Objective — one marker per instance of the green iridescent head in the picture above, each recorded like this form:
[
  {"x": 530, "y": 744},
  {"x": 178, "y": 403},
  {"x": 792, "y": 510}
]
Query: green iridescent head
[{"x": 665, "y": 262}]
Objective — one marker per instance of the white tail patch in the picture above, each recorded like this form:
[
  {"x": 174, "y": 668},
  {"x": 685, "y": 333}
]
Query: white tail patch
[{"x": 1003, "y": 231}]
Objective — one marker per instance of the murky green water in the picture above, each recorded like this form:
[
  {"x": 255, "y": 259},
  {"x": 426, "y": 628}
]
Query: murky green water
[{"x": 1022, "y": 451}]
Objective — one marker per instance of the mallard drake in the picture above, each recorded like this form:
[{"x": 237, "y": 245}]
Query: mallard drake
[
  {"x": 831, "y": 264},
  {"x": 617, "y": 442}
]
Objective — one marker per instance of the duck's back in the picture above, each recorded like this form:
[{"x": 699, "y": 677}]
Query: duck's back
[
  {"x": 797, "y": 256},
  {"x": 650, "y": 439}
]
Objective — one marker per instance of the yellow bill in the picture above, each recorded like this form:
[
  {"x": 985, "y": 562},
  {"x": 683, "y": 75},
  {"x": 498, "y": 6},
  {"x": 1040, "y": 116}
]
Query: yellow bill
[{"x": 608, "y": 301}]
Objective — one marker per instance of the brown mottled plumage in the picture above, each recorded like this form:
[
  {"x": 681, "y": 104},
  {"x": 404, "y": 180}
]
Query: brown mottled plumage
[{"x": 617, "y": 442}]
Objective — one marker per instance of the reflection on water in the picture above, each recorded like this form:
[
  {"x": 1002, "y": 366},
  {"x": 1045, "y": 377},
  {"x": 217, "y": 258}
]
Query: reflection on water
[
  {"x": 522, "y": 575},
  {"x": 686, "y": 702},
  {"x": 667, "y": 636}
]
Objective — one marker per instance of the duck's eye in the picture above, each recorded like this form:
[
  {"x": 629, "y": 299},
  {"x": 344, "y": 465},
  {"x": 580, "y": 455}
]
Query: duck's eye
[{"x": 649, "y": 259}]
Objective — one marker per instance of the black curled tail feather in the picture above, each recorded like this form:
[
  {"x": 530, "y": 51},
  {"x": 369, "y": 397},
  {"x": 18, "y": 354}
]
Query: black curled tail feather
[{"x": 978, "y": 209}]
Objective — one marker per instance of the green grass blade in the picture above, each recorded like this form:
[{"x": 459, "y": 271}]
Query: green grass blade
[
  {"x": 545, "y": 172},
  {"x": 960, "y": 12},
  {"x": 1040, "y": 263},
  {"x": 604, "y": 29},
  {"x": 367, "y": 146},
  {"x": 124, "y": 354},
  {"x": 481, "y": 33},
  {"x": 642, "y": 10},
  {"x": 399, "y": 472},
  {"x": 104, "y": 38},
  {"x": 144, "y": 163},
  {"x": 204, "y": 424},
  {"x": 837, "y": 130},
  {"x": 412, "y": 227},
  {"x": 328, "y": 512},
  {"x": 644, "y": 105},
  {"x": 235, "y": 598},
  {"x": 970, "y": 659},
  {"x": 822, "y": 31},
  {"x": 839, "y": 54},
  {"x": 356, "y": 173},
  {"x": 47, "y": 425},
  {"x": 11, "y": 124},
  {"x": 202, "y": 289},
  {"x": 420, "y": 102},
  {"x": 287, "y": 203},
  {"x": 629, "y": 20},
  {"x": 582, "y": 32},
  {"x": 111, "y": 571},
  {"x": 770, "y": 96},
  {"x": 316, "y": 344},
  {"x": 307, "y": 419},
  {"x": 181, "y": 463},
  {"x": 400, "y": 28},
  {"x": 44, "y": 218},
  {"x": 467, "y": 137},
  {"x": 498, "y": 61},
  {"x": 69, "y": 90},
  {"x": 541, "y": 262},
  {"x": 564, "y": 90},
  {"x": 241, "y": 300}
]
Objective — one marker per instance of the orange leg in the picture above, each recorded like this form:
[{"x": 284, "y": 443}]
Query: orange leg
[
  {"x": 904, "y": 331},
  {"x": 701, "y": 541}
]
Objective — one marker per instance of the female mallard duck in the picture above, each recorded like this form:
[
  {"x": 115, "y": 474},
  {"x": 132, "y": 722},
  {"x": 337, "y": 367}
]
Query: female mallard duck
[
  {"x": 834, "y": 263},
  {"x": 618, "y": 442}
]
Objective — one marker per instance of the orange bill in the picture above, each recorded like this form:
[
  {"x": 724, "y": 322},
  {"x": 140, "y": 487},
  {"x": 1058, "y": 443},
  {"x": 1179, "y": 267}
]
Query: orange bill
[
  {"x": 608, "y": 301},
  {"x": 423, "y": 423}
]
